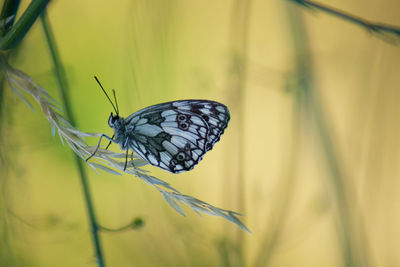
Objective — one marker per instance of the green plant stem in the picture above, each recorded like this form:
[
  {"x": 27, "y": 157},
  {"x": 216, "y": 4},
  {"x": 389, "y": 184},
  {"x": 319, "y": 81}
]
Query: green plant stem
[
  {"x": 284, "y": 194},
  {"x": 239, "y": 36},
  {"x": 379, "y": 28},
  {"x": 123, "y": 228},
  {"x": 7, "y": 255},
  {"x": 64, "y": 89},
  {"x": 9, "y": 9},
  {"x": 21, "y": 27},
  {"x": 352, "y": 254},
  {"x": 135, "y": 224}
]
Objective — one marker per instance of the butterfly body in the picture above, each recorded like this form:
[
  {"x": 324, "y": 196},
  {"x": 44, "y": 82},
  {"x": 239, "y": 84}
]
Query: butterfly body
[{"x": 174, "y": 135}]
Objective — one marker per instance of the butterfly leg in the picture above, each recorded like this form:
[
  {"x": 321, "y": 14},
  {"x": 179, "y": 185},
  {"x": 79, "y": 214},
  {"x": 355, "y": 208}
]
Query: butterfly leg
[
  {"x": 133, "y": 163},
  {"x": 112, "y": 137},
  {"x": 126, "y": 159},
  {"x": 98, "y": 145}
]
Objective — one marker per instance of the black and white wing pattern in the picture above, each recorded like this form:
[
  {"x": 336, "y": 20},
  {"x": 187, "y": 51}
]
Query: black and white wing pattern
[{"x": 175, "y": 135}]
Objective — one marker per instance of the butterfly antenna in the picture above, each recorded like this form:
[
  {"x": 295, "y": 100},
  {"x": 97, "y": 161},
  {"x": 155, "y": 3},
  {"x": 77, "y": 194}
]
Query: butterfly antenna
[
  {"x": 115, "y": 100},
  {"x": 97, "y": 80}
]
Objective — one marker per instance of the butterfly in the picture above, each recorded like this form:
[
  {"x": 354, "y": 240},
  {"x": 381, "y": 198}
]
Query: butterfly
[{"x": 173, "y": 136}]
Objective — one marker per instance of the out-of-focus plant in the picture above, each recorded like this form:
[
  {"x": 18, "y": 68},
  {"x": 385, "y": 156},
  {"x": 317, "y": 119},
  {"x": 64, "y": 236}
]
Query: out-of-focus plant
[{"x": 388, "y": 33}]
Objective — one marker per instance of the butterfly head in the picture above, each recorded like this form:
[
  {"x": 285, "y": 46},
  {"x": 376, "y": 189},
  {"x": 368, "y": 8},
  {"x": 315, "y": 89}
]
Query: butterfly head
[{"x": 113, "y": 120}]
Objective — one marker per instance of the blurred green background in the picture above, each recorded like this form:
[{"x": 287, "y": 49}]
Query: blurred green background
[{"x": 310, "y": 157}]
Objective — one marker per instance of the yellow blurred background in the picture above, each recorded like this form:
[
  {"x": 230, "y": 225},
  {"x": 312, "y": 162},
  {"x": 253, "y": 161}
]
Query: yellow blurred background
[{"x": 310, "y": 157}]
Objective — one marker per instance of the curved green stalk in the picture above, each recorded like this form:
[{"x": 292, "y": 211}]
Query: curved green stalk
[
  {"x": 239, "y": 37},
  {"x": 388, "y": 33},
  {"x": 18, "y": 31},
  {"x": 7, "y": 255},
  {"x": 352, "y": 251},
  {"x": 284, "y": 194},
  {"x": 135, "y": 224},
  {"x": 9, "y": 9},
  {"x": 63, "y": 87}
]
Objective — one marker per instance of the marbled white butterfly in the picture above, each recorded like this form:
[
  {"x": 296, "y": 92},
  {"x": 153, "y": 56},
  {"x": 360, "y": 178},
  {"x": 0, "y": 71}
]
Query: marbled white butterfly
[{"x": 173, "y": 136}]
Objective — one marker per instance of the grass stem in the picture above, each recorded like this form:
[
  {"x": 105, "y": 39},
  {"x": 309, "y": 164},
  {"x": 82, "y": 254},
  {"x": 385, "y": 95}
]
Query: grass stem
[
  {"x": 352, "y": 251},
  {"x": 9, "y": 9},
  {"x": 64, "y": 89},
  {"x": 285, "y": 192},
  {"x": 387, "y": 32},
  {"x": 22, "y": 26},
  {"x": 239, "y": 36}
]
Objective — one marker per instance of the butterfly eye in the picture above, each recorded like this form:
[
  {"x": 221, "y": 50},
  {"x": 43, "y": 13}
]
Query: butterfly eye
[{"x": 112, "y": 119}]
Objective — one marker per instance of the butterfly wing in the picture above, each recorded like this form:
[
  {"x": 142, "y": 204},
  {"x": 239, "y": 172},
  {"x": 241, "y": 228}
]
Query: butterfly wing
[{"x": 175, "y": 135}]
